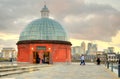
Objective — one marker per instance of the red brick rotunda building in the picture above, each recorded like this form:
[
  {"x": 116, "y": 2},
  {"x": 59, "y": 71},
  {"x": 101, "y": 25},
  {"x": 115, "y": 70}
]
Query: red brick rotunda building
[{"x": 45, "y": 38}]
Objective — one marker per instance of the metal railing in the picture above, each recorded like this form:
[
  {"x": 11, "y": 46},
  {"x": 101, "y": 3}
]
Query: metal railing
[{"x": 112, "y": 66}]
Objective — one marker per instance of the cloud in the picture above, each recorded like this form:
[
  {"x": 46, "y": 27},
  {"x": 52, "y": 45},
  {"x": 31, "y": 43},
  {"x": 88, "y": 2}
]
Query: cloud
[
  {"x": 8, "y": 36},
  {"x": 116, "y": 39},
  {"x": 94, "y": 22},
  {"x": 87, "y": 21},
  {"x": 82, "y": 20},
  {"x": 12, "y": 11}
]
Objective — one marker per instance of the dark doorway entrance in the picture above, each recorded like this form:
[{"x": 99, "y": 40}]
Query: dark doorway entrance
[
  {"x": 36, "y": 58},
  {"x": 46, "y": 57}
]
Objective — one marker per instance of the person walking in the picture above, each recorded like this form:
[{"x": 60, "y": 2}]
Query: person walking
[
  {"x": 98, "y": 61},
  {"x": 82, "y": 59}
]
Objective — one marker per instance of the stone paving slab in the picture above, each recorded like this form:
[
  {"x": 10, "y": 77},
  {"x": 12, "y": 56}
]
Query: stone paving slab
[{"x": 68, "y": 71}]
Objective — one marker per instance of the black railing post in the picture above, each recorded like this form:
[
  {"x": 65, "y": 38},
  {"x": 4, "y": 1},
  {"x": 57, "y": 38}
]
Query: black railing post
[
  {"x": 118, "y": 70},
  {"x": 108, "y": 64},
  {"x": 112, "y": 66}
]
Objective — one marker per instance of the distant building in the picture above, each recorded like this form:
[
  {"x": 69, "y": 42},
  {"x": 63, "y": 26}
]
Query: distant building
[
  {"x": 82, "y": 48},
  {"x": 90, "y": 58},
  {"x": 72, "y": 50},
  {"x": 0, "y": 54},
  {"x": 118, "y": 56},
  {"x": 92, "y": 49},
  {"x": 8, "y": 53},
  {"x": 101, "y": 55},
  {"x": 112, "y": 57},
  {"x": 76, "y": 50},
  {"x": 110, "y": 49},
  {"x": 105, "y": 50},
  {"x": 99, "y": 52},
  {"x": 79, "y": 49}
]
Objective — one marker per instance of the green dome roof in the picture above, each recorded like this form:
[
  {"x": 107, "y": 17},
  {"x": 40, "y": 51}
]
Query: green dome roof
[{"x": 43, "y": 29}]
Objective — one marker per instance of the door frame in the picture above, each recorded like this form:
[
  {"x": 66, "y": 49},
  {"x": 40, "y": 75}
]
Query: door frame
[{"x": 46, "y": 57}]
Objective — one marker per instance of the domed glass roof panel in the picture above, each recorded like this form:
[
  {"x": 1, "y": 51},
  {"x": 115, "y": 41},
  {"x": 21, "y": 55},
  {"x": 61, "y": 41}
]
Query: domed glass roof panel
[{"x": 44, "y": 29}]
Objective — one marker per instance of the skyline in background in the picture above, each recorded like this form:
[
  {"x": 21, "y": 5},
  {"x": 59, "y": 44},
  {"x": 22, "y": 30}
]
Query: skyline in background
[{"x": 95, "y": 21}]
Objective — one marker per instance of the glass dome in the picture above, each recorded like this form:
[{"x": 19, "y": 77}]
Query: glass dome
[{"x": 44, "y": 29}]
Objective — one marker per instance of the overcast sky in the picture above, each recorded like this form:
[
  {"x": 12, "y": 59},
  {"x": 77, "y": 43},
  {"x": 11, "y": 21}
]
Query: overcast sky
[{"x": 88, "y": 20}]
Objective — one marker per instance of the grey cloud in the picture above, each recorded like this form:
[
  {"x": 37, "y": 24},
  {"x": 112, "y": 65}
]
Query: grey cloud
[
  {"x": 11, "y": 10},
  {"x": 103, "y": 26}
]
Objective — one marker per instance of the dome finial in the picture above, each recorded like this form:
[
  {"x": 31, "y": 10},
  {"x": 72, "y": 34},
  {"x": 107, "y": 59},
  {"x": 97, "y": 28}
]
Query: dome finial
[
  {"x": 45, "y": 11},
  {"x": 44, "y": 2}
]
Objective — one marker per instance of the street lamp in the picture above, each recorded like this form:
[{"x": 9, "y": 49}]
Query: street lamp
[
  {"x": 32, "y": 48},
  {"x": 49, "y": 48}
]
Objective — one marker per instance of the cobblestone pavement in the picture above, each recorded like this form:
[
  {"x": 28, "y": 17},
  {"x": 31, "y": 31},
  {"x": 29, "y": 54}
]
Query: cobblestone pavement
[{"x": 67, "y": 71}]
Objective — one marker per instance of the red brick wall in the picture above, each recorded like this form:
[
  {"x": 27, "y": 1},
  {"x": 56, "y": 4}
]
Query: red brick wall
[{"x": 58, "y": 52}]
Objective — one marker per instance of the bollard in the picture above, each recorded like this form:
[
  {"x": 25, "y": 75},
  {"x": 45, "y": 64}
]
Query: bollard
[
  {"x": 112, "y": 67},
  {"x": 107, "y": 64},
  {"x": 118, "y": 70}
]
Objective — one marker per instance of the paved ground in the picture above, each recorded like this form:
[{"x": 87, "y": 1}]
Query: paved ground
[{"x": 65, "y": 71}]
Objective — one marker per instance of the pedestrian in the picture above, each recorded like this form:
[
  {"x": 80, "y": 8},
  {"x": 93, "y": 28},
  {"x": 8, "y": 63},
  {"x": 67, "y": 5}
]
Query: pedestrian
[
  {"x": 82, "y": 59},
  {"x": 37, "y": 58},
  {"x": 98, "y": 61}
]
